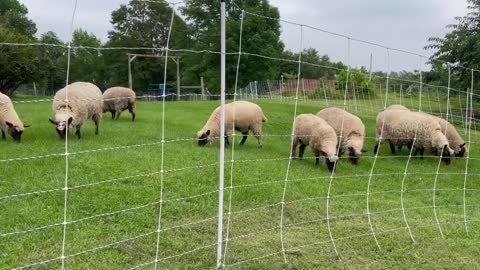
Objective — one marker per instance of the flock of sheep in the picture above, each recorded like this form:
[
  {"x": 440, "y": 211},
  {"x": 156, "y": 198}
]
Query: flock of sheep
[
  {"x": 330, "y": 133},
  {"x": 333, "y": 131},
  {"x": 72, "y": 106}
]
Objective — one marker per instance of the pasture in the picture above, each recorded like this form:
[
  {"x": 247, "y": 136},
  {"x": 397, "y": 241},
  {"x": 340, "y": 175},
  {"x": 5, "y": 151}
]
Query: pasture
[{"x": 114, "y": 182}]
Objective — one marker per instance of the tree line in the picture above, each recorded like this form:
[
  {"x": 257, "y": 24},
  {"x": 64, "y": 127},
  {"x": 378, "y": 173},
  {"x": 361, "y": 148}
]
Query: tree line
[{"x": 142, "y": 24}]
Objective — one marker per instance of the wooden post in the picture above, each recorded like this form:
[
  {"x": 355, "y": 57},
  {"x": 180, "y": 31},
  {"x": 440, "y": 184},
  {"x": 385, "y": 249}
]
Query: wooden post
[
  {"x": 202, "y": 87},
  {"x": 178, "y": 78},
  {"x": 130, "y": 60}
]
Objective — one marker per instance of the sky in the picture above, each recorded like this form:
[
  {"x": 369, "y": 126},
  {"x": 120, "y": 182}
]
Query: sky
[{"x": 405, "y": 25}]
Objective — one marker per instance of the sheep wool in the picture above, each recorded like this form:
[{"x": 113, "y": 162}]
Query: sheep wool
[
  {"x": 243, "y": 116},
  {"x": 9, "y": 121},
  {"x": 403, "y": 127},
  {"x": 350, "y": 131},
  {"x": 315, "y": 132},
  {"x": 455, "y": 141},
  {"x": 397, "y": 107},
  {"x": 84, "y": 102},
  {"x": 118, "y": 99}
]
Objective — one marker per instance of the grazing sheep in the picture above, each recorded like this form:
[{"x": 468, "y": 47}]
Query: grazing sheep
[
  {"x": 84, "y": 102},
  {"x": 315, "y": 132},
  {"x": 9, "y": 121},
  {"x": 246, "y": 115},
  {"x": 118, "y": 99},
  {"x": 397, "y": 107},
  {"x": 403, "y": 127},
  {"x": 455, "y": 141},
  {"x": 349, "y": 129}
]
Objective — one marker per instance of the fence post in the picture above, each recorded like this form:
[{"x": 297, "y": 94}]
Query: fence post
[{"x": 202, "y": 87}]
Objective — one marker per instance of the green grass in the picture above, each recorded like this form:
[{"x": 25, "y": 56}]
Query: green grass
[{"x": 189, "y": 223}]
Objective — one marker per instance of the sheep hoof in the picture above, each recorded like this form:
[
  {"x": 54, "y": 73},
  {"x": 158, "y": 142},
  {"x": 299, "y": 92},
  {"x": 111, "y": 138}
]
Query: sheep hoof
[{"x": 260, "y": 146}]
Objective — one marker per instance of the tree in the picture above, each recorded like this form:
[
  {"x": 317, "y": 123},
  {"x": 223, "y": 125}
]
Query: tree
[
  {"x": 460, "y": 46},
  {"x": 260, "y": 36},
  {"x": 142, "y": 24},
  {"x": 357, "y": 78},
  {"x": 52, "y": 60},
  {"x": 18, "y": 64}
]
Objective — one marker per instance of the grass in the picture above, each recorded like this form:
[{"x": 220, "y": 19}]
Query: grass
[{"x": 106, "y": 180}]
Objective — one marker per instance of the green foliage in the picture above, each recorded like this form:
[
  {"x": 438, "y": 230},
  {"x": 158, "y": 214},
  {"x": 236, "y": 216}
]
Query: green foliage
[
  {"x": 53, "y": 64},
  {"x": 314, "y": 65},
  {"x": 460, "y": 45},
  {"x": 17, "y": 64},
  {"x": 143, "y": 24},
  {"x": 259, "y": 36},
  {"x": 13, "y": 15}
]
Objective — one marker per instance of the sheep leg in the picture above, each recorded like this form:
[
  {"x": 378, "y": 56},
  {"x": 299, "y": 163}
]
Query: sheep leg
[
  {"x": 375, "y": 148},
  {"x": 227, "y": 142},
  {"x": 421, "y": 152},
  {"x": 245, "y": 135},
  {"x": 117, "y": 115},
  {"x": 400, "y": 147},
  {"x": 392, "y": 147},
  {"x": 132, "y": 111},
  {"x": 3, "y": 135},
  {"x": 317, "y": 158},
  {"x": 78, "y": 133},
  {"x": 302, "y": 151},
  {"x": 257, "y": 132},
  {"x": 294, "y": 149},
  {"x": 113, "y": 114}
]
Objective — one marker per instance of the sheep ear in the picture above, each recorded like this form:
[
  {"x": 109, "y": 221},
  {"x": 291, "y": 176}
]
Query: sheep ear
[
  {"x": 70, "y": 120},
  {"x": 208, "y": 132},
  {"x": 53, "y": 122},
  {"x": 462, "y": 145},
  {"x": 10, "y": 125},
  {"x": 364, "y": 151},
  {"x": 27, "y": 126}
]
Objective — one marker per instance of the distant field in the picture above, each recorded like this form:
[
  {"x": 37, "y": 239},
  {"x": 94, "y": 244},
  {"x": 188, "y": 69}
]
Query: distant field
[{"x": 114, "y": 187}]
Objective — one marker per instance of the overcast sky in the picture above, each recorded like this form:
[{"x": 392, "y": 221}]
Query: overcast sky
[{"x": 404, "y": 24}]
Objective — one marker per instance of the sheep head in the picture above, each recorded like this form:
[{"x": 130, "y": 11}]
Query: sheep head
[
  {"x": 204, "y": 137},
  {"x": 15, "y": 131},
  {"x": 461, "y": 151},
  {"x": 63, "y": 126}
]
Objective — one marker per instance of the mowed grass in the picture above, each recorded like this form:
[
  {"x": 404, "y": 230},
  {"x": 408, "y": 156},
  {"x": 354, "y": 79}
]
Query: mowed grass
[{"x": 114, "y": 182}]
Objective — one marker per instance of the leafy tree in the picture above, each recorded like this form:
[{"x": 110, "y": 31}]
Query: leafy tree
[
  {"x": 142, "y": 24},
  {"x": 86, "y": 64},
  {"x": 13, "y": 16},
  {"x": 357, "y": 78},
  {"x": 460, "y": 45},
  {"x": 260, "y": 36},
  {"x": 52, "y": 59},
  {"x": 314, "y": 65},
  {"x": 18, "y": 65}
]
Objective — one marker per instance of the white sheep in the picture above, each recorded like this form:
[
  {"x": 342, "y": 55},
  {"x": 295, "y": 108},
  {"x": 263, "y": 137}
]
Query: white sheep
[
  {"x": 350, "y": 131},
  {"x": 246, "y": 116},
  {"x": 9, "y": 121},
  {"x": 401, "y": 127},
  {"x": 84, "y": 102},
  {"x": 455, "y": 141},
  {"x": 397, "y": 107},
  {"x": 315, "y": 132},
  {"x": 118, "y": 99}
]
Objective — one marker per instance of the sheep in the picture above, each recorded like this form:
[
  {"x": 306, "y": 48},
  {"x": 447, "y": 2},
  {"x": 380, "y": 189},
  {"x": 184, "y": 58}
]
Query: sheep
[
  {"x": 455, "y": 141},
  {"x": 397, "y": 107},
  {"x": 118, "y": 99},
  {"x": 402, "y": 127},
  {"x": 315, "y": 132},
  {"x": 9, "y": 121},
  {"x": 84, "y": 102},
  {"x": 349, "y": 129},
  {"x": 246, "y": 116}
]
